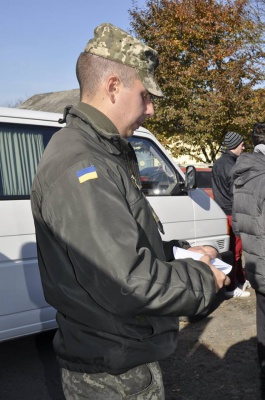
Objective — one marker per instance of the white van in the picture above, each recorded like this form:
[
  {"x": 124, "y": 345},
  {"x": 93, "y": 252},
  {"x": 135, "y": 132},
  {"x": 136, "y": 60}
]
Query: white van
[{"x": 190, "y": 215}]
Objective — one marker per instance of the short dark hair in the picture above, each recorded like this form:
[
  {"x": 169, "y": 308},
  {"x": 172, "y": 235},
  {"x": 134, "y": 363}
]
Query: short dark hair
[
  {"x": 258, "y": 133},
  {"x": 92, "y": 69}
]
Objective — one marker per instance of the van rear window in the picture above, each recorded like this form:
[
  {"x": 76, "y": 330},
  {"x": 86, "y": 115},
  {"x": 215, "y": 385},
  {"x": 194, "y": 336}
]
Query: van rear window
[{"x": 21, "y": 147}]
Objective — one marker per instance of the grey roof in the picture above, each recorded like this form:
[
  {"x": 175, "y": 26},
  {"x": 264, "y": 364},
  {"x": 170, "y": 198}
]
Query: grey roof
[{"x": 52, "y": 102}]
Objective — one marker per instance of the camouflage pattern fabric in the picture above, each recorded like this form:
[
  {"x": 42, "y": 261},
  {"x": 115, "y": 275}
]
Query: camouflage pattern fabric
[
  {"x": 117, "y": 45},
  {"x": 140, "y": 383}
]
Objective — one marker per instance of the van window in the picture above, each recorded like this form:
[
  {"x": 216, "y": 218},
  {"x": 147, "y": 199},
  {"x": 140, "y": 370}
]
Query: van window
[
  {"x": 204, "y": 179},
  {"x": 158, "y": 177},
  {"x": 21, "y": 147}
]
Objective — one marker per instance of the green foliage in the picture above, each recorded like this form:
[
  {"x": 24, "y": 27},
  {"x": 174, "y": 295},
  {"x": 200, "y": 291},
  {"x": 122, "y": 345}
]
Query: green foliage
[{"x": 211, "y": 55}]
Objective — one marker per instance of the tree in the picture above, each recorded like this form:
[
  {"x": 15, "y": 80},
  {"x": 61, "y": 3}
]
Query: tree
[
  {"x": 257, "y": 8},
  {"x": 211, "y": 55}
]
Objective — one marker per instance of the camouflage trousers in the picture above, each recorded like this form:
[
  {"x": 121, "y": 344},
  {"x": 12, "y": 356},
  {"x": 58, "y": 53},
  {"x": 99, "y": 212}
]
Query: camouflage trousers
[{"x": 140, "y": 383}]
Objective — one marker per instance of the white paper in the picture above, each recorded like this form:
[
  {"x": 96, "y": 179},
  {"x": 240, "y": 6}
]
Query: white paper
[{"x": 182, "y": 253}]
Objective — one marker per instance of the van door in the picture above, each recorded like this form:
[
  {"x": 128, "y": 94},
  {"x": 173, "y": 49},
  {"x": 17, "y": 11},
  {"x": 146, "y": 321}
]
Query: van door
[
  {"x": 158, "y": 179},
  {"x": 189, "y": 215},
  {"x": 23, "y": 309}
]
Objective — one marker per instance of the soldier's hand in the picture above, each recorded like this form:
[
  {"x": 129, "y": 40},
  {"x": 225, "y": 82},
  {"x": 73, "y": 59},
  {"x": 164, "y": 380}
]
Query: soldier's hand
[{"x": 220, "y": 278}]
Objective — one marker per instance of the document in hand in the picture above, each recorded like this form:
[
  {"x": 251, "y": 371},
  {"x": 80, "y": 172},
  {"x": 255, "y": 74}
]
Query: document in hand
[{"x": 182, "y": 253}]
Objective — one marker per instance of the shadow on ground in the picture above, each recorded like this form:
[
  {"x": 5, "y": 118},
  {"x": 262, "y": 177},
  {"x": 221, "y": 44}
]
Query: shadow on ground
[
  {"x": 216, "y": 355},
  {"x": 215, "y": 359}
]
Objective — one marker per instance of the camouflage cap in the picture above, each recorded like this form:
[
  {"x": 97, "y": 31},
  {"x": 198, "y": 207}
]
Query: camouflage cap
[{"x": 117, "y": 45}]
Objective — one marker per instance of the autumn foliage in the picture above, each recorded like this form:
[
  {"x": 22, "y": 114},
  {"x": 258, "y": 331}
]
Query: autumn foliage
[{"x": 211, "y": 55}]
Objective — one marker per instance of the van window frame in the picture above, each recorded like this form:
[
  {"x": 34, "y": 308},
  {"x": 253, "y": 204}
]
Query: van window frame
[{"x": 169, "y": 170}]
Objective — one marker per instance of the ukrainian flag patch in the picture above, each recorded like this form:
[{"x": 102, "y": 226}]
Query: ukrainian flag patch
[{"x": 86, "y": 174}]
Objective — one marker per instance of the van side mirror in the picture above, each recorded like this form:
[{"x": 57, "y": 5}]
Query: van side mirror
[
  {"x": 190, "y": 182},
  {"x": 190, "y": 178}
]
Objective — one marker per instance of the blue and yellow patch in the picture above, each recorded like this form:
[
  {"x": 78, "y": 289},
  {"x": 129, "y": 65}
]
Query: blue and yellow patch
[{"x": 86, "y": 174}]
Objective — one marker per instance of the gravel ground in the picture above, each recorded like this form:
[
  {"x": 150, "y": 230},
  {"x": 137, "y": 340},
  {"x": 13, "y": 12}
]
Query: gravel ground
[
  {"x": 215, "y": 360},
  {"x": 216, "y": 357}
]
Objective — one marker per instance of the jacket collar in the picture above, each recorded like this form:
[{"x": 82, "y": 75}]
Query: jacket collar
[
  {"x": 86, "y": 115},
  {"x": 260, "y": 148},
  {"x": 99, "y": 119},
  {"x": 230, "y": 154}
]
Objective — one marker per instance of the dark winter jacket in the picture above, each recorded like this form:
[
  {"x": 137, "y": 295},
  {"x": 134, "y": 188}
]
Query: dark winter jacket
[
  {"x": 101, "y": 256},
  {"x": 249, "y": 214},
  {"x": 222, "y": 183}
]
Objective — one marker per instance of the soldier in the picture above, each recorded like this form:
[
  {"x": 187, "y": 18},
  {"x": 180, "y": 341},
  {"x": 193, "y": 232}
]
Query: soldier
[{"x": 102, "y": 261}]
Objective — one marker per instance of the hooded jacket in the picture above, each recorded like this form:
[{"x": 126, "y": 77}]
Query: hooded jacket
[
  {"x": 249, "y": 213},
  {"x": 222, "y": 183},
  {"x": 101, "y": 257}
]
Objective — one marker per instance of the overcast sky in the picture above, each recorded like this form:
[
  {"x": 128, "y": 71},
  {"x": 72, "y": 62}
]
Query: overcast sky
[{"x": 41, "y": 40}]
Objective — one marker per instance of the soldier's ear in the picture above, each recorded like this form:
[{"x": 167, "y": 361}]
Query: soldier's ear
[{"x": 113, "y": 85}]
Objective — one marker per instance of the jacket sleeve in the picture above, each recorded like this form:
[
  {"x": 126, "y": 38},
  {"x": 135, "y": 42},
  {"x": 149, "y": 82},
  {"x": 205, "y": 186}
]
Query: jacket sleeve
[
  {"x": 227, "y": 179},
  {"x": 168, "y": 247},
  {"x": 109, "y": 237}
]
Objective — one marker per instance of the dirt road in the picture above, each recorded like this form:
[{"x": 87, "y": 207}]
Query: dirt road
[
  {"x": 215, "y": 360},
  {"x": 216, "y": 357}
]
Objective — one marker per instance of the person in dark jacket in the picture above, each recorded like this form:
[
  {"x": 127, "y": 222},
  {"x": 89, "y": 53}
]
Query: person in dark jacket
[
  {"x": 116, "y": 287},
  {"x": 222, "y": 184},
  {"x": 249, "y": 223}
]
